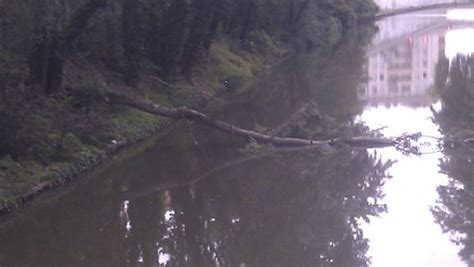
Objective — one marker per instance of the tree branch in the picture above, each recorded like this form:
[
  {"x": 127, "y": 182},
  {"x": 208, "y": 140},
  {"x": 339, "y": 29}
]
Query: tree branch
[{"x": 193, "y": 115}]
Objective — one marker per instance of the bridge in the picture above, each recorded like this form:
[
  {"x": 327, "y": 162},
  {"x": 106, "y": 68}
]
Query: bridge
[{"x": 397, "y": 7}]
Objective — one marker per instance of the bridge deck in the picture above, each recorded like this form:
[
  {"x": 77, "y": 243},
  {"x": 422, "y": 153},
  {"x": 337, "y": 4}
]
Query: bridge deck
[{"x": 394, "y": 12}]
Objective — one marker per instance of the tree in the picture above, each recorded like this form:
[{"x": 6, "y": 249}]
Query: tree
[
  {"x": 454, "y": 210},
  {"x": 133, "y": 39},
  {"x": 46, "y": 62}
]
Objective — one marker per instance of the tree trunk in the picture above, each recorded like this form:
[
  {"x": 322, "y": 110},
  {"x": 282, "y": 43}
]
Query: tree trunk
[
  {"x": 46, "y": 62},
  {"x": 133, "y": 40},
  {"x": 46, "y": 68},
  {"x": 193, "y": 115},
  {"x": 111, "y": 36}
]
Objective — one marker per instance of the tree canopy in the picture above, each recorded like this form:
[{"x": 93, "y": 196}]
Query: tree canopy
[{"x": 455, "y": 210}]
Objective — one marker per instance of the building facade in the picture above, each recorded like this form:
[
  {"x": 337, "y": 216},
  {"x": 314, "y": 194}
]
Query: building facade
[{"x": 401, "y": 61}]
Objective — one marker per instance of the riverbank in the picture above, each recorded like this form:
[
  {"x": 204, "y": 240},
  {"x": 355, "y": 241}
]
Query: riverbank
[
  {"x": 389, "y": 13},
  {"x": 228, "y": 69},
  {"x": 55, "y": 118}
]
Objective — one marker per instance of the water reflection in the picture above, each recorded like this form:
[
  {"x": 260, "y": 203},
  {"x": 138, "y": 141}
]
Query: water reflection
[
  {"x": 291, "y": 208},
  {"x": 407, "y": 235},
  {"x": 406, "y": 69},
  {"x": 194, "y": 200},
  {"x": 455, "y": 210},
  {"x": 246, "y": 218}
]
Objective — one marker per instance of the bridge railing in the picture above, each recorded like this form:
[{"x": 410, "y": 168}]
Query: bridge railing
[{"x": 409, "y": 9}]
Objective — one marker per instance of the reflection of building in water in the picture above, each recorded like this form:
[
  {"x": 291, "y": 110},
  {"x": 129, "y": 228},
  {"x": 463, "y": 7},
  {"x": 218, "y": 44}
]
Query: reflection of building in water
[
  {"x": 401, "y": 63},
  {"x": 392, "y": 4}
]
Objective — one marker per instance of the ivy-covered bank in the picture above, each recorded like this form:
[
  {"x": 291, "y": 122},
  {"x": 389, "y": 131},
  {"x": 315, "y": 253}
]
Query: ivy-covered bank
[{"x": 57, "y": 58}]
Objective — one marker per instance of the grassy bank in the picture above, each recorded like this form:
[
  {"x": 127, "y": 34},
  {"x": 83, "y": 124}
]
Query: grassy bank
[
  {"x": 58, "y": 59},
  {"x": 70, "y": 134}
]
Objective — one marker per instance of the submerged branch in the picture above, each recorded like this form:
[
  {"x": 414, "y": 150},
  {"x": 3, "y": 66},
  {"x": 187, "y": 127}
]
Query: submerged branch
[{"x": 193, "y": 181}]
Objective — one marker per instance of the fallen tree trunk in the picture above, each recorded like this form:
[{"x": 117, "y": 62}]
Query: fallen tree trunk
[{"x": 193, "y": 115}]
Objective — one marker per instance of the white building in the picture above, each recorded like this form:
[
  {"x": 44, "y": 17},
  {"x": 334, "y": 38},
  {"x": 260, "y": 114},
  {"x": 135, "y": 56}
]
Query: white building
[{"x": 401, "y": 64}]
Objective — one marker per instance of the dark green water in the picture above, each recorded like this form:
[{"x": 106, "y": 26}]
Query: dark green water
[{"x": 200, "y": 198}]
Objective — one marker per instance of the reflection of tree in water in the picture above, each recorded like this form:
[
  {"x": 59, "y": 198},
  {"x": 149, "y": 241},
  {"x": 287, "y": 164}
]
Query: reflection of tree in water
[
  {"x": 328, "y": 77},
  {"x": 455, "y": 84},
  {"x": 455, "y": 210},
  {"x": 294, "y": 209},
  {"x": 289, "y": 209}
]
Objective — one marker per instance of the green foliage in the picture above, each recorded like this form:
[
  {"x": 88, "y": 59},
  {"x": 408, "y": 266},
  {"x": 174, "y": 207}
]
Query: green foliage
[
  {"x": 454, "y": 211},
  {"x": 230, "y": 66},
  {"x": 455, "y": 85},
  {"x": 260, "y": 43},
  {"x": 52, "y": 114},
  {"x": 54, "y": 143},
  {"x": 175, "y": 35},
  {"x": 129, "y": 124}
]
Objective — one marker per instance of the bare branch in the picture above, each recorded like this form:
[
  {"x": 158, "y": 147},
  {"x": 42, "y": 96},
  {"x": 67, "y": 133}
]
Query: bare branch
[{"x": 193, "y": 115}]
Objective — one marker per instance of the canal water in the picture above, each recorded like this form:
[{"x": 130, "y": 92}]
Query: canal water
[{"x": 196, "y": 197}]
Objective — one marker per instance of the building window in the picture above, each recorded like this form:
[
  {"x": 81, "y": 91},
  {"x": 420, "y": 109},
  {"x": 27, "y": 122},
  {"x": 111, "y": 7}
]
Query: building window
[{"x": 393, "y": 89}]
